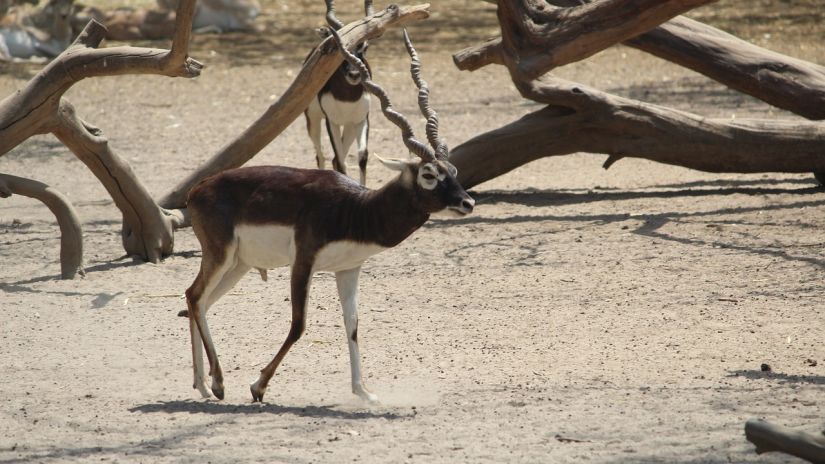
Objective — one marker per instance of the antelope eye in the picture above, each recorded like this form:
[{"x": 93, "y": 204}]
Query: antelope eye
[{"x": 428, "y": 176}]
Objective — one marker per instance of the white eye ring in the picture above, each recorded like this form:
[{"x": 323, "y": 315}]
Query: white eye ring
[{"x": 428, "y": 177}]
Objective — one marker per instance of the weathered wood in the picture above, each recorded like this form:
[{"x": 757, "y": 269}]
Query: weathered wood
[
  {"x": 539, "y": 37},
  {"x": 148, "y": 232},
  {"x": 71, "y": 234},
  {"x": 770, "y": 437},
  {"x": 788, "y": 83},
  {"x": 579, "y": 119},
  {"x": 26, "y": 112},
  {"x": 317, "y": 69},
  {"x": 582, "y": 119}
]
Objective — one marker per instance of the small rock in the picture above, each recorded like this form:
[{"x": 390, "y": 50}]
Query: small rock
[
  {"x": 811, "y": 362},
  {"x": 765, "y": 368}
]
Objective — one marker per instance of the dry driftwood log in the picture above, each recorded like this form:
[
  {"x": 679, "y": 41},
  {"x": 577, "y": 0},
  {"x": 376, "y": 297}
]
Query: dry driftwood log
[
  {"x": 317, "y": 69},
  {"x": 581, "y": 119},
  {"x": 71, "y": 235},
  {"x": 770, "y": 437},
  {"x": 39, "y": 108}
]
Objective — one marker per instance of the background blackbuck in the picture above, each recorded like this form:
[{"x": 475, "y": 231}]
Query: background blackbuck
[
  {"x": 313, "y": 220},
  {"x": 344, "y": 105}
]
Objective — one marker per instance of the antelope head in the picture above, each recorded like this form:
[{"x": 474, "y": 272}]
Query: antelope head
[
  {"x": 432, "y": 177},
  {"x": 346, "y": 70}
]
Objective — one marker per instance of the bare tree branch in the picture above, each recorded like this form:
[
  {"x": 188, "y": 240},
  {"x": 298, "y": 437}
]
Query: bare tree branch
[
  {"x": 147, "y": 232},
  {"x": 71, "y": 235},
  {"x": 770, "y": 437},
  {"x": 788, "y": 83},
  {"x": 538, "y": 37}
]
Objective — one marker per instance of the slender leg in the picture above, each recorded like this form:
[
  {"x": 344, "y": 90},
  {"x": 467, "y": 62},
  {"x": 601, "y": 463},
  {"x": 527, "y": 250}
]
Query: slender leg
[
  {"x": 300, "y": 281},
  {"x": 313, "y": 116},
  {"x": 362, "y": 141},
  {"x": 348, "y": 293},
  {"x": 340, "y": 156},
  {"x": 197, "y": 358},
  {"x": 348, "y": 137},
  {"x": 198, "y": 299}
]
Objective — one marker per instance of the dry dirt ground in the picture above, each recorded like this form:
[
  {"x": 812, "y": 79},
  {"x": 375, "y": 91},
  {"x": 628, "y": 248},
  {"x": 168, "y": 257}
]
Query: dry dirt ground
[{"x": 580, "y": 315}]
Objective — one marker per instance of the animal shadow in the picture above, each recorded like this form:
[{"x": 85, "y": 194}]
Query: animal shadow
[{"x": 216, "y": 407}]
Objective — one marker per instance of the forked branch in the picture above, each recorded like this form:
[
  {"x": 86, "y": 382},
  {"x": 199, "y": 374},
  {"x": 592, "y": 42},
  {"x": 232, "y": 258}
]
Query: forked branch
[{"x": 791, "y": 84}]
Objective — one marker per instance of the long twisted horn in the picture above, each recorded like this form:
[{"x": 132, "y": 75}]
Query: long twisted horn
[
  {"x": 368, "y": 7},
  {"x": 332, "y": 20},
  {"x": 421, "y": 150},
  {"x": 440, "y": 147}
]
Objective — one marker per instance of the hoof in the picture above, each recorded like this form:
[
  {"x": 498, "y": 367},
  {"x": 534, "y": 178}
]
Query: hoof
[
  {"x": 257, "y": 392},
  {"x": 202, "y": 389},
  {"x": 365, "y": 394},
  {"x": 217, "y": 390}
]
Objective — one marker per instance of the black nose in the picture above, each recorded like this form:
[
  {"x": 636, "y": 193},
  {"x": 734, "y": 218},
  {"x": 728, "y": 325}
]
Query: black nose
[{"x": 467, "y": 205}]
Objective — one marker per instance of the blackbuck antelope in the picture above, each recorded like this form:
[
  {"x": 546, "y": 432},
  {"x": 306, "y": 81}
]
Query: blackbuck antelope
[
  {"x": 312, "y": 220},
  {"x": 345, "y": 106}
]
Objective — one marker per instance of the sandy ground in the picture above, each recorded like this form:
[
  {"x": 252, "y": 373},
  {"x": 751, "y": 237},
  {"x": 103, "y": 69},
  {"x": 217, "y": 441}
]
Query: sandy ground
[{"x": 580, "y": 315}]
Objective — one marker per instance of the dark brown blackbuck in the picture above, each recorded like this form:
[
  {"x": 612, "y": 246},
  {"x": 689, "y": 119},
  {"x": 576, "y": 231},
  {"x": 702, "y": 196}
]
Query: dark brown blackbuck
[
  {"x": 344, "y": 105},
  {"x": 313, "y": 220}
]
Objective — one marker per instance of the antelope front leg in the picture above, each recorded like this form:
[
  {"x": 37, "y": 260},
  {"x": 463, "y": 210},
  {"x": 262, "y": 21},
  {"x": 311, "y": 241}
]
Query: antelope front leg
[
  {"x": 361, "y": 141},
  {"x": 314, "y": 115},
  {"x": 348, "y": 293},
  {"x": 339, "y": 160}
]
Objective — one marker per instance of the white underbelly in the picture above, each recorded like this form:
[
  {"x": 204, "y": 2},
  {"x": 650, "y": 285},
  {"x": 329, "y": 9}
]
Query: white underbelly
[
  {"x": 344, "y": 113},
  {"x": 340, "y": 256},
  {"x": 265, "y": 246},
  {"x": 271, "y": 246}
]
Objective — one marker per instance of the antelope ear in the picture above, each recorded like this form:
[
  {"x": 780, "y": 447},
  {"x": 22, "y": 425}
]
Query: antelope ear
[
  {"x": 395, "y": 164},
  {"x": 323, "y": 32}
]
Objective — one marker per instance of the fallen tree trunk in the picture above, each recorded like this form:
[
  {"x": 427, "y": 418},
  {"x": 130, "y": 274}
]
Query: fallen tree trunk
[
  {"x": 317, "y": 69},
  {"x": 769, "y": 437},
  {"x": 581, "y": 119},
  {"x": 71, "y": 235}
]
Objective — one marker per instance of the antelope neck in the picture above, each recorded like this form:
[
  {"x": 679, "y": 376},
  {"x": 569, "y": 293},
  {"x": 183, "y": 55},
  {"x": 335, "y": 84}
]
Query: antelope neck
[{"x": 389, "y": 215}]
